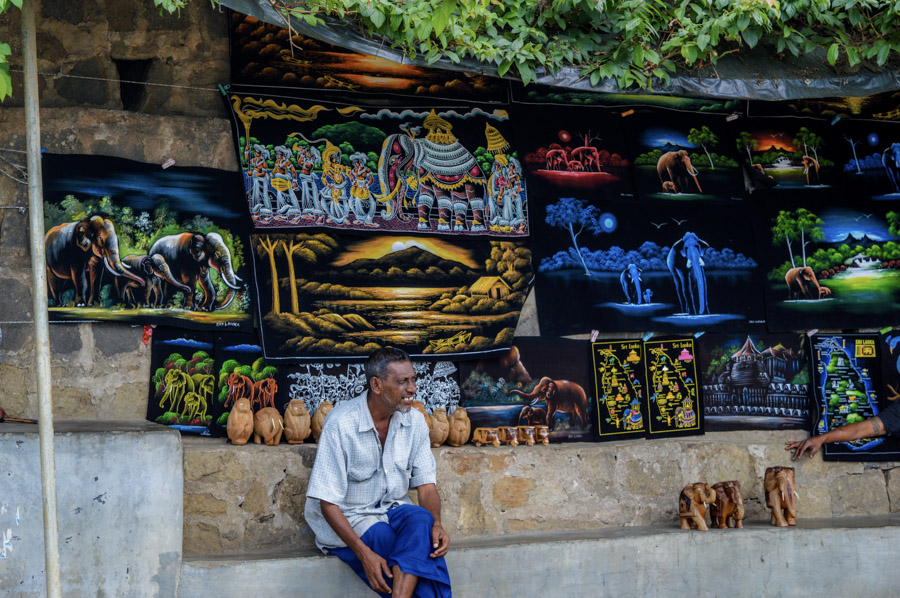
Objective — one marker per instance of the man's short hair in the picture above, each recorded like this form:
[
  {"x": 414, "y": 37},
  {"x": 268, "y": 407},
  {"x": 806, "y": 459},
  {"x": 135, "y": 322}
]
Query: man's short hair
[{"x": 378, "y": 361}]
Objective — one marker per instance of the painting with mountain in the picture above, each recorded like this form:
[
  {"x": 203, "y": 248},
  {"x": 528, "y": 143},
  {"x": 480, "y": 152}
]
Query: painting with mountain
[
  {"x": 831, "y": 265},
  {"x": 316, "y": 163},
  {"x": 680, "y": 156},
  {"x": 323, "y": 295}
]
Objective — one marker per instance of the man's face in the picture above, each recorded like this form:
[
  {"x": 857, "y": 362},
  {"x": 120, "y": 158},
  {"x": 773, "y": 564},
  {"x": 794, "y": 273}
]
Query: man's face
[{"x": 399, "y": 385}]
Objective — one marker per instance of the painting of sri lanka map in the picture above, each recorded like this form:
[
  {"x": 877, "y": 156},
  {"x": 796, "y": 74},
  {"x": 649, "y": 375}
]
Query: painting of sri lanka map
[
  {"x": 847, "y": 379},
  {"x": 674, "y": 396},
  {"x": 620, "y": 389}
]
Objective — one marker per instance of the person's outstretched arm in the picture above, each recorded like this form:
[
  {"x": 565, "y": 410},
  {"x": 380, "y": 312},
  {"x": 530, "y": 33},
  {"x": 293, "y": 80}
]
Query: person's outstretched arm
[{"x": 864, "y": 429}]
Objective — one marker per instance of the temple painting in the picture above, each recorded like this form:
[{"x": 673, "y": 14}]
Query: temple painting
[
  {"x": 755, "y": 381},
  {"x": 345, "y": 167}
]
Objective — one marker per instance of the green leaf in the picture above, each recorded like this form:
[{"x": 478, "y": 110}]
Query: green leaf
[
  {"x": 442, "y": 15},
  {"x": 5, "y": 81},
  {"x": 504, "y": 67},
  {"x": 702, "y": 41},
  {"x": 595, "y": 78},
  {"x": 883, "y": 52},
  {"x": 689, "y": 51},
  {"x": 833, "y": 51},
  {"x": 377, "y": 17},
  {"x": 852, "y": 56},
  {"x": 637, "y": 55},
  {"x": 751, "y": 36},
  {"x": 743, "y": 22}
]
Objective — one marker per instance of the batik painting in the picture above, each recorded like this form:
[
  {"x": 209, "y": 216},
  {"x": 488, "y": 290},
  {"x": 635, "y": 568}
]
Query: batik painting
[
  {"x": 540, "y": 381},
  {"x": 879, "y": 107},
  {"x": 788, "y": 155},
  {"x": 574, "y": 151},
  {"x": 269, "y": 55},
  {"x": 830, "y": 265},
  {"x": 620, "y": 389},
  {"x": 323, "y": 295},
  {"x": 437, "y": 383},
  {"x": 682, "y": 156},
  {"x": 133, "y": 242},
  {"x": 846, "y": 378},
  {"x": 242, "y": 373},
  {"x": 182, "y": 383},
  {"x": 634, "y": 267},
  {"x": 754, "y": 381},
  {"x": 870, "y": 159},
  {"x": 673, "y": 388},
  {"x": 447, "y": 171}
]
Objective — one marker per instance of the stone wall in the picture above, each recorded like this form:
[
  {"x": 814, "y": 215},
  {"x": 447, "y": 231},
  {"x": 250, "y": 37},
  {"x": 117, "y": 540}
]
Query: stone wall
[{"x": 250, "y": 499}]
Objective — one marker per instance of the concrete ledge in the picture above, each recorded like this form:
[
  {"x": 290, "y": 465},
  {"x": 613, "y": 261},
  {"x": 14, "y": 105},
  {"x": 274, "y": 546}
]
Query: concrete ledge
[{"x": 843, "y": 557}]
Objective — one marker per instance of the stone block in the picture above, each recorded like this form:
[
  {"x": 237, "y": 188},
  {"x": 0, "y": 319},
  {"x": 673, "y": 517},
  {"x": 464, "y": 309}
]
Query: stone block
[
  {"x": 204, "y": 504},
  {"x": 859, "y": 494}
]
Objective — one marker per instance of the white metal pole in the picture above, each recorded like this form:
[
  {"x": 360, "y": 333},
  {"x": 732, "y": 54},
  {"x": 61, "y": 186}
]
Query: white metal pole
[{"x": 39, "y": 296}]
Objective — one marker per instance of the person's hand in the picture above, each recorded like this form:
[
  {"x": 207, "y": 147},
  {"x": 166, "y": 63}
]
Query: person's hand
[
  {"x": 811, "y": 444},
  {"x": 440, "y": 541},
  {"x": 376, "y": 568}
]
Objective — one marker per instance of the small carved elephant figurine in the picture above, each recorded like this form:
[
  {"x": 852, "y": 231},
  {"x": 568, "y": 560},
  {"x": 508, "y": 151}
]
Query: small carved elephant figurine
[
  {"x": 267, "y": 426},
  {"x": 440, "y": 427},
  {"x": 239, "y": 425},
  {"x": 780, "y": 493},
  {"x": 318, "y": 419},
  {"x": 296, "y": 422},
  {"x": 691, "y": 507},
  {"x": 728, "y": 510}
]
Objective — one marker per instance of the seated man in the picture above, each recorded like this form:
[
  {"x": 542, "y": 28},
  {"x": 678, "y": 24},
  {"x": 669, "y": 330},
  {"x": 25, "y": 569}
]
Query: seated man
[
  {"x": 886, "y": 422},
  {"x": 372, "y": 450}
]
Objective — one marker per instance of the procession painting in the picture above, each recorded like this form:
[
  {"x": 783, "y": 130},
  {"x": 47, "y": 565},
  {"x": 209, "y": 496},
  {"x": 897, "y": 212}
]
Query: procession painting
[
  {"x": 344, "y": 167},
  {"x": 132, "y": 242}
]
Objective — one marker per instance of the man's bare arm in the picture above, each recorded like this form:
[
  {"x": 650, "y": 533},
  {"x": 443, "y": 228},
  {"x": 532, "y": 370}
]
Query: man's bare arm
[
  {"x": 375, "y": 566},
  {"x": 431, "y": 500},
  {"x": 865, "y": 429}
]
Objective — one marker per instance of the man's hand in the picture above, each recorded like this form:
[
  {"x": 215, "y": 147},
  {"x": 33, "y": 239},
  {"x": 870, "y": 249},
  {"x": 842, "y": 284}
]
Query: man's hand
[
  {"x": 376, "y": 568},
  {"x": 811, "y": 444},
  {"x": 440, "y": 541}
]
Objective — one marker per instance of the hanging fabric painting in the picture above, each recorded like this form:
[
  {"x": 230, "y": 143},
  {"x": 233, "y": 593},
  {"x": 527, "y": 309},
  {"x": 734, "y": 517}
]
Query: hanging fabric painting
[
  {"x": 182, "y": 383},
  {"x": 846, "y": 373},
  {"x": 831, "y": 265},
  {"x": 682, "y": 156},
  {"x": 323, "y": 295},
  {"x": 242, "y": 373},
  {"x": 540, "y": 381},
  {"x": 675, "y": 406},
  {"x": 642, "y": 266},
  {"x": 754, "y": 381},
  {"x": 870, "y": 159},
  {"x": 132, "y": 242},
  {"x": 311, "y": 163},
  {"x": 620, "y": 389}
]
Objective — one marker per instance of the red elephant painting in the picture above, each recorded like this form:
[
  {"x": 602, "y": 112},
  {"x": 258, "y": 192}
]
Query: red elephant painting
[{"x": 561, "y": 396}]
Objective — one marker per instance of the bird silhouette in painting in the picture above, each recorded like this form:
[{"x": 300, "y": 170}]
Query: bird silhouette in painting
[
  {"x": 659, "y": 226},
  {"x": 679, "y": 222}
]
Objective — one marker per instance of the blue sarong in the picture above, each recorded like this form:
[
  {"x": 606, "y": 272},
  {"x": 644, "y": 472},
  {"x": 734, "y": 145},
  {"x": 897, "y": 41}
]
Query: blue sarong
[{"x": 405, "y": 541}]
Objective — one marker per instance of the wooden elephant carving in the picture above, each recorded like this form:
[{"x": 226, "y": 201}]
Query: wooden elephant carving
[
  {"x": 692, "y": 505},
  {"x": 780, "y": 494},
  {"x": 728, "y": 509}
]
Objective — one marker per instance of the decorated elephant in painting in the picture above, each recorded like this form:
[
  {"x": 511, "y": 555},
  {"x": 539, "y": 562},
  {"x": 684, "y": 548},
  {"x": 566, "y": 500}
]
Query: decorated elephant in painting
[
  {"x": 152, "y": 270},
  {"x": 631, "y": 284},
  {"x": 561, "y": 396},
  {"x": 802, "y": 284},
  {"x": 443, "y": 172},
  {"x": 890, "y": 159},
  {"x": 685, "y": 262},
  {"x": 780, "y": 492},
  {"x": 692, "y": 505},
  {"x": 677, "y": 167},
  {"x": 190, "y": 256},
  {"x": 77, "y": 252}
]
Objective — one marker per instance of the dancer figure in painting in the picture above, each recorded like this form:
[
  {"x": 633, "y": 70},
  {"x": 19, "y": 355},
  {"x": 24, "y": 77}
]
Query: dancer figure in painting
[
  {"x": 284, "y": 181},
  {"x": 335, "y": 177},
  {"x": 361, "y": 201},
  {"x": 357, "y": 501},
  {"x": 309, "y": 158},
  {"x": 257, "y": 170}
]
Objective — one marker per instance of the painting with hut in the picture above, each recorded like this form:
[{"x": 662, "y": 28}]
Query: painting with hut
[
  {"x": 755, "y": 381},
  {"x": 317, "y": 164},
  {"x": 132, "y": 242},
  {"x": 539, "y": 381},
  {"x": 323, "y": 295}
]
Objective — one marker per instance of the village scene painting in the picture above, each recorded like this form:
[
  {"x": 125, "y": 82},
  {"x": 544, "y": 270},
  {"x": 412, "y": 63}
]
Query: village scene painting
[
  {"x": 448, "y": 171},
  {"x": 324, "y": 295},
  {"x": 539, "y": 381}
]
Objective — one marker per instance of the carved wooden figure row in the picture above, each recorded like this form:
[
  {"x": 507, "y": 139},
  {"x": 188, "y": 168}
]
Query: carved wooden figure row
[{"x": 726, "y": 504}]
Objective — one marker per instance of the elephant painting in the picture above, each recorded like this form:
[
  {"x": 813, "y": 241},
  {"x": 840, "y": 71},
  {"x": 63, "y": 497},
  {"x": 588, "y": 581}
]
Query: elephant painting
[
  {"x": 443, "y": 172},
  {"x": 631, "y": 284},
  {"x": 676, "y": 167},
  {"x": 152, "y": 270},
  {"x": 692, "y": 505},
  {"x": 77, "y": 253},
  {"x": 685, "y": 262},
  {"x": 802, "y": 284},
  {"x": 190, "y": 256},
  {"x": 890, "y": 159},
  {"x": 780, "y": 493},
  {"x": 561, "y": 396}
]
